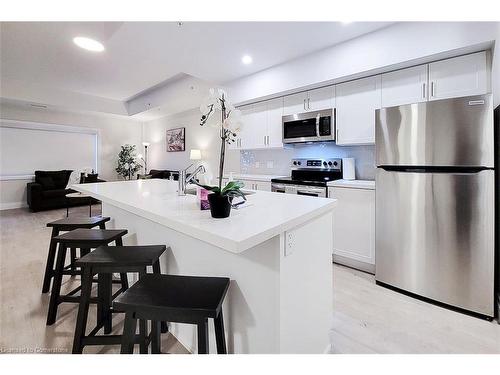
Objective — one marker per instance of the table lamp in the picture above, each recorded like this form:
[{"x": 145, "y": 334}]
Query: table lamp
[{"x": 195, "y": 154}]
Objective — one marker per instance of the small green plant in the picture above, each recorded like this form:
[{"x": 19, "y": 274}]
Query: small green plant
[{"x": 232, "y": 189}]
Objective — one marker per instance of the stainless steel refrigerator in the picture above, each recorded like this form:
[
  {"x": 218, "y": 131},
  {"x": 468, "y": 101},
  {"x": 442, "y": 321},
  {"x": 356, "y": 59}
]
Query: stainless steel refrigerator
[{"x": 435, "y": 201}]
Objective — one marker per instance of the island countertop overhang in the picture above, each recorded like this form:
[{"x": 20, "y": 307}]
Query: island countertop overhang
[{"x": 267, "y": 215}]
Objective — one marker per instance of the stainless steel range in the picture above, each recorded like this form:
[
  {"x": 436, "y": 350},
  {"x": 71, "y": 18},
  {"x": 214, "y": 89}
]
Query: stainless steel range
[{"x": 309, "y": 177}]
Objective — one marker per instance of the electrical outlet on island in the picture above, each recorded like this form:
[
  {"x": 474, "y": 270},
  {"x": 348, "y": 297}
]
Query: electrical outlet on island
[{"x": 270, "y": 164}]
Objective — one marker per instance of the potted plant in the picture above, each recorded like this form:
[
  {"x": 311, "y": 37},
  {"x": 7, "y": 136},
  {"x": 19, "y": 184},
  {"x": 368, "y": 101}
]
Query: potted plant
[
  {"x": 127, "y": 162},
  {"x": 215, "y": 105}
]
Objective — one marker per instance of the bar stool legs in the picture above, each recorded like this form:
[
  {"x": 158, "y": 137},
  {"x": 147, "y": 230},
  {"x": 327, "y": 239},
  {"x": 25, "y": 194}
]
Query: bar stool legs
[
  {"x": 156, "y": 337},
  {"x": 49, "y": 271},
  {"x": 220, "y": 338},
  {"x": 123, "y": 276},
  {"x": 203, "y": 336},
  {"x": 128, "y": 333},
  {"x": 104, "y": 292},
  {"x": 83, "y": 311},
  {"x": 56, "y": 288}
]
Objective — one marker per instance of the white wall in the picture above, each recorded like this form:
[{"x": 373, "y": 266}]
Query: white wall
[
  {"x": 114, "y": 131},
  {"x": 396, "y": 46},
  {"x": 204, "y": 138}
]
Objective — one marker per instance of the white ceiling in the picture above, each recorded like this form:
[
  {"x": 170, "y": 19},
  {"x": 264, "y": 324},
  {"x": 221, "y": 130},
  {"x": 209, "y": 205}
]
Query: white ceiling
[{"x": 141, "y": 55}]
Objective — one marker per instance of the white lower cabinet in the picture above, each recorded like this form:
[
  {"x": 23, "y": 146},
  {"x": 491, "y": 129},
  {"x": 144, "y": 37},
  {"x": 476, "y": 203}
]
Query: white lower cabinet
[
  {"x": 257, "y": 185},
  {"x": 249, "y": 184},
  {"x": 354, "y": 227}
]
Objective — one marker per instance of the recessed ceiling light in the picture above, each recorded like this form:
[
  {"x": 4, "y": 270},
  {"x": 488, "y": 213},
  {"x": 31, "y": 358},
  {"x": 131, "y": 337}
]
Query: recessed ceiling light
[
  {"x": 88, "y": 44},
  {"x": 247, "y": 59}
]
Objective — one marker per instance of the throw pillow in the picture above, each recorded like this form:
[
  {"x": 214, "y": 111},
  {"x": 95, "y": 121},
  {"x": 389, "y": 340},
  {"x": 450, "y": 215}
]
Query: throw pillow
[{"x": 47, "y": 182}]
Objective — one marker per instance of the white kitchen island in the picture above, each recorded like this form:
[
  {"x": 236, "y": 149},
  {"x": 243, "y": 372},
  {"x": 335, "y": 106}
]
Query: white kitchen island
[{"x": 277, "y": 251}]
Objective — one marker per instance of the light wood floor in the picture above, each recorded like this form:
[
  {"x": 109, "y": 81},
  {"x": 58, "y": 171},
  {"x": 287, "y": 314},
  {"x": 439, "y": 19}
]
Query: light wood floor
[
  {"x": 24, "y": 240},
  {"x": 367, "y": 318}
]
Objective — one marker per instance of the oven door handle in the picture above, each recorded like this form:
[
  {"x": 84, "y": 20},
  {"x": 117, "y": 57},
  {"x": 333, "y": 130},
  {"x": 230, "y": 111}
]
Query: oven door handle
[{"x": 311, "y": 191}]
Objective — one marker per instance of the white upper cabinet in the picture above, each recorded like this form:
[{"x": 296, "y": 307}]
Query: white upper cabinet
[
  {"x": 254, "y": 120},
  {"x": 322, "y": 98},
  {"x": 274, "y": 123},
  {"x": 256, "y": 127},
  {"x": 313, "y": 100},
  {"x": 405, "y": 86},
  {"x": 295, "y": 103},
  {"x": 261, "y": 125},
  {"x": 459, "y": 76},
  {"x": 356, "y": 102}
]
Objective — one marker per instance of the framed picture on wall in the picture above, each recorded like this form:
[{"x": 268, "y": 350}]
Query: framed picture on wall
[{"x": 176, "y": 139}]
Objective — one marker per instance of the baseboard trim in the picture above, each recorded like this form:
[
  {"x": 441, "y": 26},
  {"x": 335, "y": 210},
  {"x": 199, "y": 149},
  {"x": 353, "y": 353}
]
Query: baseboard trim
[
  {"x": 362, "y": 266},
  {"x": 12, "y": 205}
]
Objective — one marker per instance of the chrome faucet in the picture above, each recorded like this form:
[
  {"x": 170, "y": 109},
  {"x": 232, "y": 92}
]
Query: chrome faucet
[{"x": 183, "y": 180}]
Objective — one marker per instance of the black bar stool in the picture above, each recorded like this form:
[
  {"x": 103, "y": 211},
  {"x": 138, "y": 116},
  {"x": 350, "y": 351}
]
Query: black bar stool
[
  {"x": 104, "y": 261},
  {"x": 84, "y": 239},
  {"x": 65, "y": 225},
  {"x": 180, "y": 299}
]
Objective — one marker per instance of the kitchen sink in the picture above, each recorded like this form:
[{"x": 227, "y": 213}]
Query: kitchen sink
[{"x": 192, "y": 191}]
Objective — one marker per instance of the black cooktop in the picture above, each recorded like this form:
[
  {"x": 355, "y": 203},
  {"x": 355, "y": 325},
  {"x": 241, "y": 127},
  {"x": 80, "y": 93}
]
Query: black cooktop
[
  {"x": 310, "y": 177},
  {"x": 291, "y": 181}
]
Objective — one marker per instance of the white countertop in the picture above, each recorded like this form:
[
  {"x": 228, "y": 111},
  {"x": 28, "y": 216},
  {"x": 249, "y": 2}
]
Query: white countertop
[
  {"x": 356, "y": 184},
  {"x": 254, "y": 177},
  {"x": 267, "y": 214}
]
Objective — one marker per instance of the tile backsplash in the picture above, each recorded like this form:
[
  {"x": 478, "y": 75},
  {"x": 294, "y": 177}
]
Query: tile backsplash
[{"x": 277, "y": 161}]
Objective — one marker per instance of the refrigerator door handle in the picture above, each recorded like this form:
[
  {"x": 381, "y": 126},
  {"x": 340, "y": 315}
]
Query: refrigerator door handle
[{"x": 429, "y": 169}]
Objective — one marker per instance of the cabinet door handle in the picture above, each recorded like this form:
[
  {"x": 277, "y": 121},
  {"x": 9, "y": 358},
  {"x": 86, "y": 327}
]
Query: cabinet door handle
[
  {"x": 432, "y": 89},
  {"x": 268, "y": 140},
  {"x": 423, "y": 90},
  {"x": 308, "y": 103},
  {"x": 305, "y": 109}
]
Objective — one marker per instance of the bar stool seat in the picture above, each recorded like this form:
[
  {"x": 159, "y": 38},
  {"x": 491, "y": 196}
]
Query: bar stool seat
[
  {"x": 75, "y": 222},
  {"x": 181, "y": 299},
  {"x": 85, "y": 239},
  {"x": 64, "y": 225},
  {"x": 104, "y": 261},
  {"x": 90, "y": 237},
  {"x": 131, "y": 257}
]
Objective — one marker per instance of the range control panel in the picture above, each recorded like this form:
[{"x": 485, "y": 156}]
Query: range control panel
[{"x": 335, "y": 164}]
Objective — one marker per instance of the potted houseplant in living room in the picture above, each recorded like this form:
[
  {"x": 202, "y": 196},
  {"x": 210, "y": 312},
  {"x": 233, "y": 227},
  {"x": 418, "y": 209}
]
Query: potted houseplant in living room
[
  {"x": 215, "y": 107},
  {"x": 127, "y": 162}
]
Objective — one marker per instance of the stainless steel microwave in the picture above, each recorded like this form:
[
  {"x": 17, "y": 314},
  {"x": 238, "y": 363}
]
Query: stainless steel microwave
[{"x": 316, "y": 126}]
